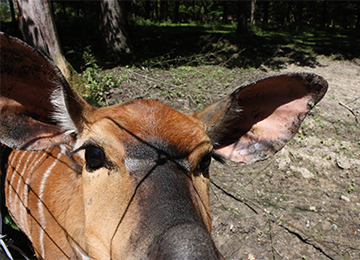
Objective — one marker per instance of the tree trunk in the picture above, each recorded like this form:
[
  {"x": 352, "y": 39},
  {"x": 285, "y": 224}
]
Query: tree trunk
[
  {"x": 113, "y": 26},
  {"x": 266, "y": 13},
  {"x": 11, "y": 6},
  {"x": 299, "y": 18},
  {"x": 203, "y": 12},
  {"x": 194, "y": 13},
  {"x": 357, "y": 25},
  {"x": 163, "y": 10},
  {"x": 37, "y": 26},
  {"x": 253, "y": 7},
  {"x": 147, "y": 9},
  {"x": 225, "y": 11},
  {"x": 242, "y": 18},
  {"x": 176, "y": 12},
  {"x": 155, "y": 15},
  {"x": 324, "y": 16}
]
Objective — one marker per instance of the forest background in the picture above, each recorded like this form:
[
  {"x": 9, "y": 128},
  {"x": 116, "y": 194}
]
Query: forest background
[{"x": 146, "y": 32}]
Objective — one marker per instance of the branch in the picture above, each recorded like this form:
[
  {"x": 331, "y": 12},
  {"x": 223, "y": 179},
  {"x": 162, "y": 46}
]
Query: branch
[
  {"x": 351, "y": 111},
  {"x": 216, "y": 183}
]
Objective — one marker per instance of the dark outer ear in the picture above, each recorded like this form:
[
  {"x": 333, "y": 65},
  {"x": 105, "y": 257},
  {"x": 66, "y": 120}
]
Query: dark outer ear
[
  {"x": 259, "y": 118},
  {"x": 30, "y": 83}
]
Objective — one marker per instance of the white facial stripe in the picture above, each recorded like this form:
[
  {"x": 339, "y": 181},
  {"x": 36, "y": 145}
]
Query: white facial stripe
[{"x": 135, "y": 164}]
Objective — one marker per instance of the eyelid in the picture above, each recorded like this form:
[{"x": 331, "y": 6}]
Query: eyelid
[
  {"x": 85, "y": 145},
  {"x": 107, "y": 163}
]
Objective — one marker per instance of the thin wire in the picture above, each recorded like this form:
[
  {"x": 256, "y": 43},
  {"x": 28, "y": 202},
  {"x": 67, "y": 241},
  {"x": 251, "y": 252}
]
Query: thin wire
[{"x": 45, "y": 206}]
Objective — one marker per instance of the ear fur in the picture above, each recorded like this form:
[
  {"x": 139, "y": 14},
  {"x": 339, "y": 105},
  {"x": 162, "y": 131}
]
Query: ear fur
[{"x": 38, "y": 108}]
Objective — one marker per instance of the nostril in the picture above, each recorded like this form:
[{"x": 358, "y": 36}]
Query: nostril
[{"x": 162, "y": 159}]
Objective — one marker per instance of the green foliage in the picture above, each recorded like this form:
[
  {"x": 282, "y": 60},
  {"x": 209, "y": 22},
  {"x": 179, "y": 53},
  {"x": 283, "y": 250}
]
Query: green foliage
[
  {"x": 98, "y": 82},
  {"x": 351, "y": 186},
  {"x": 8, "y": 221},
  {"x": 5, "y": 14},
  {"x": 141, "y": 21}
]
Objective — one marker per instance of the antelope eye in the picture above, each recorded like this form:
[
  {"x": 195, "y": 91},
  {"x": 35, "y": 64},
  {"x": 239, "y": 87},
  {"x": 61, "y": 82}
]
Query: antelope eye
[
  {"x": 94, "y": 157},
  {"x": 205, "y": 162}
]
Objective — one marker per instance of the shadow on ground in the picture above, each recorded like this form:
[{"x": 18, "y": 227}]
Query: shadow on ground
[
  {"x": 168, "y": 46},
  {"x": 165, "y": 46}
]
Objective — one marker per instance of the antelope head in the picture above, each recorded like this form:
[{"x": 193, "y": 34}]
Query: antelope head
[{"x": 129, "y": 181}]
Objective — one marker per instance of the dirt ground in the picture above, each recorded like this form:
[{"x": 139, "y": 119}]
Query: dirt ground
[
  {"x": 302, "y": 204},
  {"x": 306, "y": 203}
]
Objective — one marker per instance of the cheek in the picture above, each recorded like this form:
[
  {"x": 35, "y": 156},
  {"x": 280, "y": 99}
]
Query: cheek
[
  {"x": 106, "y": 197},
  {"x": 106, "y": 188}
]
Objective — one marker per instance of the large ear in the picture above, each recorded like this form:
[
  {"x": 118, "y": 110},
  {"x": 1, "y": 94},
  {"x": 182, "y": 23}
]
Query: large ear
[
  {"x": 38, "y": 108},
  {"x": 259, "y": 118}
]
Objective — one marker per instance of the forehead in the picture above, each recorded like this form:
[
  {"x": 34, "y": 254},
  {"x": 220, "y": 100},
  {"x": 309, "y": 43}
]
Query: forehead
[{"x": 151, "y": 122}]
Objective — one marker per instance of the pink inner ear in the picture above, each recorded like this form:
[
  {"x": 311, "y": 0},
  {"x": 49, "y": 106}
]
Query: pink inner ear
[{"x": 269, "y": 135}]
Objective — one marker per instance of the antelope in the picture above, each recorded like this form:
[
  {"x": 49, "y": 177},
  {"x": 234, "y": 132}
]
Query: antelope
[{"x": 129, "y": 181}]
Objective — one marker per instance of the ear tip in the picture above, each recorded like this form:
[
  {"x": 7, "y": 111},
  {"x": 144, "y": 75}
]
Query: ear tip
[
  {"x": 313, "y": 80},
  {"x": 316, "y": 86}
]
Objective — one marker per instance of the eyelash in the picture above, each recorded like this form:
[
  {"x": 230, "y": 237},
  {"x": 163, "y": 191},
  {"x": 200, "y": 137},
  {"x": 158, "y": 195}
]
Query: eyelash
[
  {"x": 206, "y": 160},
  {"x": 217, "y": 157}
]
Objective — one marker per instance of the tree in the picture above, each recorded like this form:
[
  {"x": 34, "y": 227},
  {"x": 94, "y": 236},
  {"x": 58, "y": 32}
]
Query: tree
[
  {"x": 203, "y": 12},
  {"x": 266, "y": 13},
  {"x": 242, "y": 18},
  {"x": 38, "y": 29},
  {"x": 155, "y": 15},
  {"x": 252, "y": 17},
  {"x": 225, "y": 11},
  {"x": 11, "y": 6},
  {"x": 164, "y": 5},
  {"x": 114, "y": 27},
  {"x": 176, "y": 12}
]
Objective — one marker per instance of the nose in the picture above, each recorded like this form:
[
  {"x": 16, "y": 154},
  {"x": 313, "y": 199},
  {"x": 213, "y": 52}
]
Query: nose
[{"x": 185, "y": 241}]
